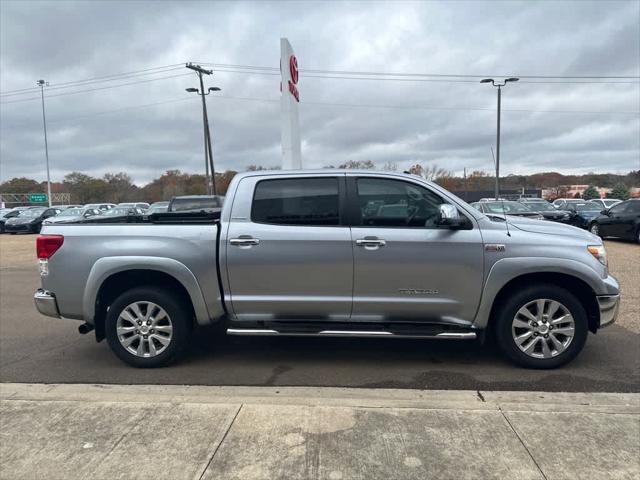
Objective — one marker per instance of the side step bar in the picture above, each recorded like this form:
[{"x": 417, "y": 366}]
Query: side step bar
[{"x": 351, "y": 333}]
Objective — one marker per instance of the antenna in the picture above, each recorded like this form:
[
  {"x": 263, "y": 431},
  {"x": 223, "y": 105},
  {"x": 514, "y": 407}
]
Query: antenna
[{"x": 506, "y": 222}]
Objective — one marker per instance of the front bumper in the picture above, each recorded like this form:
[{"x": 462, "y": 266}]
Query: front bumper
[
  {"x": 16, "y": 228},
  {"x": 46, "y": 303},
  {"x": 609, "y": 305}
]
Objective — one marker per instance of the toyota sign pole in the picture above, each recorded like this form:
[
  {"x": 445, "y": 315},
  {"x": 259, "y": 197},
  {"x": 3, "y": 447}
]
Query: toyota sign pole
[{"x": 289, "y": 99}]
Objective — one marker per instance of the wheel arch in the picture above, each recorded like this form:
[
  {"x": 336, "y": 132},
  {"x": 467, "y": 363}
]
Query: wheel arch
[
  {"x": 577, "y": 287},
  {"x": 112, "y": 276},
  {"x": 577, "y": 278}
]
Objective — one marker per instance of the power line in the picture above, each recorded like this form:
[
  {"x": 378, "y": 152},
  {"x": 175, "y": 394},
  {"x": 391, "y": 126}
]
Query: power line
[
  {"x": 98, "y": 88},
  {"x": 418, "y": 107},
  {"x": 84, "y": 83},
  {"x": 428, "y": 80},
  {"x": 97, "y": 78},
  {"x": 403, "y": 74}
]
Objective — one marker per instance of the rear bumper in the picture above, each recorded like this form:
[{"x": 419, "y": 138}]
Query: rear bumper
[
  {"x": 609, "y": 305},
  {"x": 46, "y": 303}
]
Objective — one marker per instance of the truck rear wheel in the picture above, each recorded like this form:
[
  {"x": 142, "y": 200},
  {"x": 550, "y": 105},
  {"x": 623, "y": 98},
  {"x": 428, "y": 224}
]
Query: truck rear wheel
[
  {"x": 147, "y": 327},
  {"x": 541, "y": 327}
]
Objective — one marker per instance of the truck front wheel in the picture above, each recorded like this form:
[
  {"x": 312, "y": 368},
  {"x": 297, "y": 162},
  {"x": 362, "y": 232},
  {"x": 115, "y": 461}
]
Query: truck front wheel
[
  {"x": 147, "y": 327},
  {"x": 541, "y": 327}
]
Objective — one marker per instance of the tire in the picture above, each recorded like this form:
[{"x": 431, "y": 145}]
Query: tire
[
  {"x": 561, "y": 346},
  {"x": 163, "y": 344},
  {"x": 595, "y": 229},
  {"x": 638, "y": 235}
]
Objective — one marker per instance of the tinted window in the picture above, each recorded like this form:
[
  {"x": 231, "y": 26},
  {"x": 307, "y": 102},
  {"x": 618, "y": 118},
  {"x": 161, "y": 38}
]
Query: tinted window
[
  {"x": 633, "y": 207},
  {"x": 297, "y": 201},
  {"x": 506, "y": 207},
  {"x": 394, "y": 203}
]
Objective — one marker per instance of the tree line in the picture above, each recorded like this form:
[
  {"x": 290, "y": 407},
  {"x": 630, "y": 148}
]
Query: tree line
[{"x": 119, "y": 187}]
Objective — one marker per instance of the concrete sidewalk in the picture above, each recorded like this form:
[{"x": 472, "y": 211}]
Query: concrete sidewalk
[{"x": 175, "y": 432}]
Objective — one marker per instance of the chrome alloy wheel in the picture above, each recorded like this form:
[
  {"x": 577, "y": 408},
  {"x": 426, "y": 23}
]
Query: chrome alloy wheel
[
  {"x": 144, "y": 329},
  {"x": 543, "y": 328},
  {"x": 595, "y": 229}
]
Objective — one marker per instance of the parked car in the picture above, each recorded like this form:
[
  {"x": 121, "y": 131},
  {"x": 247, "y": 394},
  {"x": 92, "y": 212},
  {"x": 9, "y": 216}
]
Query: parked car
[
  {"x": 545, "y": 209},
  {"x": 29, "y": 220},
  {"x": 141, "y": 205},
  {"x": 581, "y": 214},
  {"x": 622, "y": 220},
  {"x": 507, "y": 208},
  {"x": 71, "y": 215},
  {"x": 605, "y": 203},
  {"x": 101, "y": 206},
  {"x": 8, "y": 213},
  {"x": 158, "y": 207},
  {"x": 301, "y": 253},
  {"x": 195, "y": 203},
  {"x": 561, "y": 203}
]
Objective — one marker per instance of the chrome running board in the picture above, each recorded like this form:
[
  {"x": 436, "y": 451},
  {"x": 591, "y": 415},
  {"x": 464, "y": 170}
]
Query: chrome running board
[{"x": 351, "y": 333}]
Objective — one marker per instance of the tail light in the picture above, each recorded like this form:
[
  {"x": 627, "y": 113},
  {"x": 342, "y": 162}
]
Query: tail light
[{"x": 47, "y": 245}]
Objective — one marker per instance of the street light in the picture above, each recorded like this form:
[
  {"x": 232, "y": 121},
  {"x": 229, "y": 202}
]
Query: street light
[
  {"x": 41, "y": 84},
  {"x": 499, "y": 85},
  {"x": 208, "y": 151}
]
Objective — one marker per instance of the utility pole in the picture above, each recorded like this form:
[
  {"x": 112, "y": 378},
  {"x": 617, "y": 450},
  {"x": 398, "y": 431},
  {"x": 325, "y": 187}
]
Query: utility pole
[
  {"x": 499, "y": 85},
  {"x": 208, "y": 152},
  {"x": 41, "y": 84}
]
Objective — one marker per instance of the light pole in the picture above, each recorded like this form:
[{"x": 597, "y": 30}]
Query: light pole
[
  {"x": 41, "y": 84},
  {"x": 499, "y": 85},
  {"x": 208, "y": 151}
]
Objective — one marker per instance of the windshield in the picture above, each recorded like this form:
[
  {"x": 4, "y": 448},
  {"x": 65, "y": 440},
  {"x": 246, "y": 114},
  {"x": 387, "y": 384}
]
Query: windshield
[
  {"x": 158, "y": 208},
  {"x": 587, "y": 207},
  {"x": 32, "y": 213},
  {"x": 540, "y": 206},
  {"x": 71, "y": 212},
  {"x": 505, "y": 207},
  {"x": 117, "y": 212}
]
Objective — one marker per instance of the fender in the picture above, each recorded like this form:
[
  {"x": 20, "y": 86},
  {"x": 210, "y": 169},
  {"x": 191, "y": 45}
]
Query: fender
[
  {"x": 104, "y": 267},
  {"x": 507, "y": 269}
]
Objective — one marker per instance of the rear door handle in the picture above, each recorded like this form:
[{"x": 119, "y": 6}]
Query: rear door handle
[
  {"x": 370, "y": 242},
  {"x": 244, "y": 241}
]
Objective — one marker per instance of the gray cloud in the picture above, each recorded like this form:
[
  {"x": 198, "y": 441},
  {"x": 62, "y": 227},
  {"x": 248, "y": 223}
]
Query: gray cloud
[{"x": 451, "y": 124}]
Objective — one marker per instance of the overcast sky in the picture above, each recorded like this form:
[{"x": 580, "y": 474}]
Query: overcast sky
[{"x": 566, "y": 127}]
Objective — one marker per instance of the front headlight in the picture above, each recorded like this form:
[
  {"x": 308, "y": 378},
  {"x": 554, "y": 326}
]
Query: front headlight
[{"x": 599, "y": 253}]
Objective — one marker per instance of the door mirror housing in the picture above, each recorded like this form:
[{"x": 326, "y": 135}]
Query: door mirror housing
[
  {"x": 605, "y": 212},
  {"x": 449, "y": 217}
]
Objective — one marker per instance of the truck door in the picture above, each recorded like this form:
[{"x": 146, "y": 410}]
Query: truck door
[
  {"x": 406, "y": 268},
  {"x": 288, "y": 249}
]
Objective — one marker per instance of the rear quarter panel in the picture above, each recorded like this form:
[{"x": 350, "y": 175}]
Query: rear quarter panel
[{"x": 171, "y": 246}]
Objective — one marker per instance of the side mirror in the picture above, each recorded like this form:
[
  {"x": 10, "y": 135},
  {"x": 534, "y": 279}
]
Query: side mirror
[
  {"x": 605, "y": 212},
  {"x": 449, "y": 217}
]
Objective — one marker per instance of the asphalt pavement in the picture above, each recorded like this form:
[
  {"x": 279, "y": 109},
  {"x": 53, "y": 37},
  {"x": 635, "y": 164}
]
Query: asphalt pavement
[{"x": 34, "y": 348}]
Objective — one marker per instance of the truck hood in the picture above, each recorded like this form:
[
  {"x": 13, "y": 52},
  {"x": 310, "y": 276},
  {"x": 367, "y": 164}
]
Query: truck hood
[{"x": 552, "y": 228}]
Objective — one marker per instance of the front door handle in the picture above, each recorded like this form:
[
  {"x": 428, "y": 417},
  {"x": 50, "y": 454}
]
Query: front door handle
[
  {"x": 244, "y": 241},
  {"x": 370, "y": 242}
]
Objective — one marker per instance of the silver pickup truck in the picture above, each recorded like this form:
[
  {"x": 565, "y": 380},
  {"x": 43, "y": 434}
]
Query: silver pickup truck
[{"x": 331, "y": 253}]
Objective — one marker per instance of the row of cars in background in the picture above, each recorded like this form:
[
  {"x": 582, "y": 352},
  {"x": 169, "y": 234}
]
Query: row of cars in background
[
  {"x": 603, "y": 217},
  {"x": 31, "y": 219}
]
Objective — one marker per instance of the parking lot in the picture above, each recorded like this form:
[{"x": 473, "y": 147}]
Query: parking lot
[{"x": 34, "y": 348}]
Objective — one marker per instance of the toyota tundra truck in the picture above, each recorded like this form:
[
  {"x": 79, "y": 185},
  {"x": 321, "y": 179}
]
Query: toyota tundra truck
[{"x": 330, "y": 253}]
